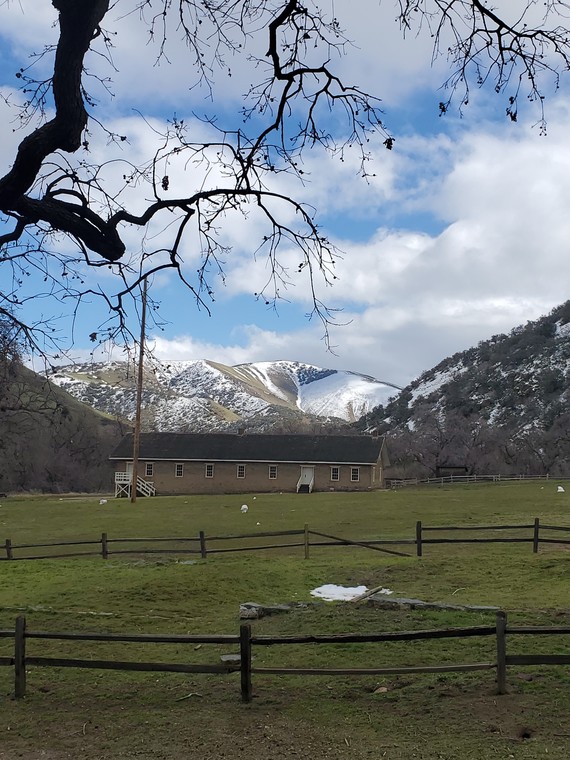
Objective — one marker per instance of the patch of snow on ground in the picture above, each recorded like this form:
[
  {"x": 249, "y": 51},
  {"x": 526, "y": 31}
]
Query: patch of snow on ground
[
  {"x": 330, "y": 592},
  {"x": 439, "y": 379},
  {"x": 333, "y": 593}
]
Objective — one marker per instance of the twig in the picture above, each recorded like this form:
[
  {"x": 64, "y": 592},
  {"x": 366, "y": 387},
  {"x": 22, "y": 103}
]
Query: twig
[
  {"x": 81, "y": 730},
  {"x": 366, "y": 594}
]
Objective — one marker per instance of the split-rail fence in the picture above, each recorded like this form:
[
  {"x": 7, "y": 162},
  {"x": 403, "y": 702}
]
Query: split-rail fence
[
  {"x": 246, "y": 640},
  {"x": 202, "y": 545}
]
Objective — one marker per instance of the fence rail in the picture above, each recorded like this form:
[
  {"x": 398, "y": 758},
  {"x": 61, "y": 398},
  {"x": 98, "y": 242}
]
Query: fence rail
[
  {"x": 459, "y": 479},
  {"x": 21, "y": 661},
  {"x": 203, "y": 545}
]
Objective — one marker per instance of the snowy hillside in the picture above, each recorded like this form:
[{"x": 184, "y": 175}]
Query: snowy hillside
[
  {"x": 502, "y": 406},
  {"x": 519, "y": 381},
  {"x": 350, "y": 394},
  {"x": 205, "y": 395}
]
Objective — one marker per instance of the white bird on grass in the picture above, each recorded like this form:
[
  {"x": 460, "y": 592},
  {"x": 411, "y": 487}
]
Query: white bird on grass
[{"x": 244, "y": 508}]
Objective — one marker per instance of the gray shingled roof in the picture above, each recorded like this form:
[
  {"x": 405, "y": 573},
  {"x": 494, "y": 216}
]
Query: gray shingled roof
[{"x": 219, "y": 447}]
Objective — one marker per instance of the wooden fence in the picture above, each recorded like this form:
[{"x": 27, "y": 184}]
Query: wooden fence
[
  {"x": 466, "y": 479},
  {"x": 21, "y": 661},
  {"x": 552, "y": 534},
  {"x": 201, "y": 545}
]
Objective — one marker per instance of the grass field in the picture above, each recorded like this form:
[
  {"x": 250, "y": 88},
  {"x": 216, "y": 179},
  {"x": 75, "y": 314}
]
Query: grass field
[{"x": 94, "y": 714}]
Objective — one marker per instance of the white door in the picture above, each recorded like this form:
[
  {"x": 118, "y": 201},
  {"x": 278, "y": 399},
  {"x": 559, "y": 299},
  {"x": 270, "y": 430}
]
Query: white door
[{"x": 307, "y": 475}]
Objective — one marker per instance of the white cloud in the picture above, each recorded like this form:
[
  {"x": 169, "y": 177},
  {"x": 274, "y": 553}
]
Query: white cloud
[
  {"x": 28, "y": 24},
  {"x": 413, "y": 298},
  {"x": 379, "y": 60},
  {"x": 258, "y": 345},
  {"x": 471, "y": 223},
  {"x": 394, "y": 343}
]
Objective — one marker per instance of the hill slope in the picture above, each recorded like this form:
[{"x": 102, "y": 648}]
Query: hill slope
[
  {"x": 502, "y": 403},
  {"x": 49, "y": 441},
  {"x": 205, "y": 395}
]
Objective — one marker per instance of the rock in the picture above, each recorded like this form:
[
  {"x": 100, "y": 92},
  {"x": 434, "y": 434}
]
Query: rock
[
  {"x": 254, "y": 611},
  {"x": 230, "y": 658},
  {"x": 249, "y": 611},
  {"x": 392, "y": 603}
]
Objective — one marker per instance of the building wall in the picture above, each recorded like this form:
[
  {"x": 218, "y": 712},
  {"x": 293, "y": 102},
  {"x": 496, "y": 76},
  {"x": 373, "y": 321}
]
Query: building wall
[{"x": 225, "y": 480}]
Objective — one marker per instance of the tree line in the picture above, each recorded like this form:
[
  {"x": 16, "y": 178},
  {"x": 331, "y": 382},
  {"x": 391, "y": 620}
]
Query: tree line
[{"x": 48, "y": 440}]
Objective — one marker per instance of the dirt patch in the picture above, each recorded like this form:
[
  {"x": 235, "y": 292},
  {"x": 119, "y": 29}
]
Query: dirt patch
[
  {"x": 252, "y": 735},
  {"x": 331, "y": 721}
]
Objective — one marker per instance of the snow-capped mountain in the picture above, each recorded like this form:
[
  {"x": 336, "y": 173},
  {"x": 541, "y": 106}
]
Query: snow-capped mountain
[{"x": 206, "y": 395}]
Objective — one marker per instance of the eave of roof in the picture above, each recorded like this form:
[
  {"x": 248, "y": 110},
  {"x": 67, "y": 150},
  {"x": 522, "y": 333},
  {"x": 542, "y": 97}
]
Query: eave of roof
[{"x": 250, "y": 461}]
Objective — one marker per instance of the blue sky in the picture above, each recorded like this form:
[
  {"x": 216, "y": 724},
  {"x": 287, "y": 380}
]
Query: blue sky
[{"x": 462, "y": 233}]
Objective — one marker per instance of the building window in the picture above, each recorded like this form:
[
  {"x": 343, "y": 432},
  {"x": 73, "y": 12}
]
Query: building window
[
  {"x": 179, "y": 471},
  {"x": 240, "y": 471},
  {"x": 272, "y": 472},
  {"x": 335, "y": 473},
  {"x": 149, "y": 469},
  {"x": 355, "y": 474},
  {"x": 209, "y": 470}
]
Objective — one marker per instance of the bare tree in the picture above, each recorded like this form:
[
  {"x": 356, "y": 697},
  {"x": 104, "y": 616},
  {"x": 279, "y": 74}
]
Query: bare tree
[
  {"x": 47, "y": 440},
  {"x": 48, "y": 193},
  {"x": 62, "y": 219}
]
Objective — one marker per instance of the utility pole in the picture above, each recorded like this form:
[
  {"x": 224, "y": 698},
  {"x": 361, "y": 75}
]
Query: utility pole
[{"x": 137, "y": 430}]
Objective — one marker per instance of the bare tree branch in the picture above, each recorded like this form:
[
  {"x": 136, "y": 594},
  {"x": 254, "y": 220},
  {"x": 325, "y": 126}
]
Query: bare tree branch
[
  {"x": 515, "y": 51},
  {"x": 63, "y": 217}
]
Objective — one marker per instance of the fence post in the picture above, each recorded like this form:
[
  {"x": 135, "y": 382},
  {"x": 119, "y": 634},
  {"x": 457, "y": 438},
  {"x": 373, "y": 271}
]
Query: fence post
[
  {"x": 104, "y": 546},
  {"x": 8, "y": 547},
  {"x": 419, "y": 538},
  {"x": 307, "y": 544},
  {"x": 245, "y": 661},
  {"x": 20, "y": 657},
  {"x": 501, "y": 652},
  {"x": 535, "y": 535},
  {"x": 203, "y": 551}
]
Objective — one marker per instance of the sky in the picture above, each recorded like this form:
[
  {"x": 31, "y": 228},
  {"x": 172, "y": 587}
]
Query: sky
[{"x": 462, "y": 233}]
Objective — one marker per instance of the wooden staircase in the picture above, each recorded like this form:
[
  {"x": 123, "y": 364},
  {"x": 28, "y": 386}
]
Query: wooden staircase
[
  {"x": 144, "y": 488},
  {"x": 123, "y": 486}
]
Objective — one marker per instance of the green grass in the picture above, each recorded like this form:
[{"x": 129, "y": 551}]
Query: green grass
[
  {"x": 380, "y": 513},
  {"x": 151, "y": 715}
]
